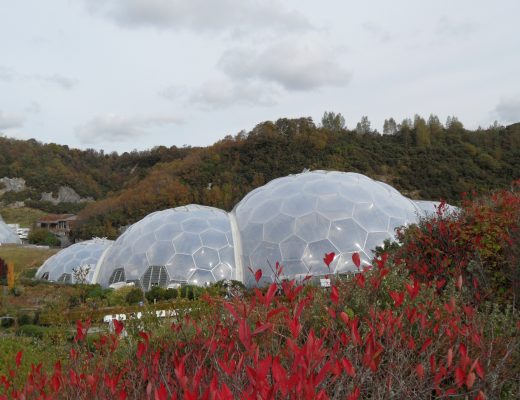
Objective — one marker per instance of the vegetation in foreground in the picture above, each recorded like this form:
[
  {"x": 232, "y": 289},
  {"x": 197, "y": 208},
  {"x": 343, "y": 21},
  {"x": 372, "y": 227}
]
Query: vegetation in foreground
[{"x": 435, "y": 317}]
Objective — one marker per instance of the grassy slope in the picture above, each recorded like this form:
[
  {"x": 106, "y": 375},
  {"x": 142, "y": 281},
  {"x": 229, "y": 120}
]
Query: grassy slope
[
  {"x": 24, "y": 216},
  {"x": 25, "y": 257}
]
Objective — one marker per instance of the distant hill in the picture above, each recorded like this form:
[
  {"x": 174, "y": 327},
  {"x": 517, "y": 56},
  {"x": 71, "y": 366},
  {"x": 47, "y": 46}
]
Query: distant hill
[
  {"x": 424, "y": 160},
  {"x": 90, "y": 174}
]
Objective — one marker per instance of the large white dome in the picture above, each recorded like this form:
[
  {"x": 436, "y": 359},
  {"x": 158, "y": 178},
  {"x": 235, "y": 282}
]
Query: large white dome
[
  {"x": 191, "y": 244},
  {"x": 7, "y": 235},
  {"x": 297, "y": 219},
  {"x": 62, "y": 265}
]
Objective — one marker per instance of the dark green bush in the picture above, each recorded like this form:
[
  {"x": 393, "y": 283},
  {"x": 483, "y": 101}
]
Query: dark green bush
[
  {"x": 156, "y": 293},
  {"x": 43, "y": 236},
  {"x": 170, "y": 294},
  {"x": 134, "y": 296},
  {"x": 32, "y": 331},
  {"x": 25, "y": 319}
]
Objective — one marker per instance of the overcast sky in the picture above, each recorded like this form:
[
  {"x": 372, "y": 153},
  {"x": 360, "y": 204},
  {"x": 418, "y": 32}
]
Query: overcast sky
[{"x": 132, "y": 74}]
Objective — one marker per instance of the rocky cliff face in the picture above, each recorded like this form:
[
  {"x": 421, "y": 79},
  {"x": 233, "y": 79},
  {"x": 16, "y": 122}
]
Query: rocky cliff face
[
  {"x": 11, "y": 185},
  {"x": 65, "y": 195}
]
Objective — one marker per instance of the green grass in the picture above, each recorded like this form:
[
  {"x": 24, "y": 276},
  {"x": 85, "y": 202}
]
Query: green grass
[
  {"x": 24, "y": 216},
  {"x": 25, "y": 258},
  {"x": 34, "y": 351}
]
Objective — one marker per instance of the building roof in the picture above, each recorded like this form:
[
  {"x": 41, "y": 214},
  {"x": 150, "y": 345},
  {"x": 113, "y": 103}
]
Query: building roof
[{"x": 57, "y": 217}]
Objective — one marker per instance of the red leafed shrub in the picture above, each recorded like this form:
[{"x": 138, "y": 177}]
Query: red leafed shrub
[
  {"x": 480, "y": 244},
  {"x": 383, "y": 333}
]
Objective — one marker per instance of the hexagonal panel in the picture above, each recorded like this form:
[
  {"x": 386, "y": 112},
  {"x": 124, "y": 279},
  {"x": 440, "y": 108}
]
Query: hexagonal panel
[
  {"x": 312, "y": 227},
  {"x": 194, "y": 225},
  {"x": 143, "y": 242},
  {"x": 187, "y": 243},
  {"x": 265, "y": 211},
  {"x": 292, "y": 248},
  {"x": 181, "y": 267},
  {"x": 201, "y": 278},
  {"x": 167, "y": 231},
  {"x": 298, "y": 204},
  {"x": 313, "y": 257},
  {"x": 293, "y": 268},
  {"x": 266, "y": 256},
  {"x": 160, "y": 252},
  {"x": 347, "y": 235},
  {"x": 222, "y": 271},
  {"x": 335, "y": 207},
  {"x": 278, "y": 229},
  {"x": 370, "y": 217},
  {"x": 206, "y": 258},
  {"x": 320, "y": 187},
  {"x": 227, "y": 256},
  {"x": 214, "y": 239},
  {"x": 376, "y": 239}
]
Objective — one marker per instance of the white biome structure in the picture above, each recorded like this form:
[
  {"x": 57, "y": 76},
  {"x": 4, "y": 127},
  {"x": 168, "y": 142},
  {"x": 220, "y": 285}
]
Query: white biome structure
[
  {"x": 7, "y": 235},
  {"x": 297, "y": 219},
  {"x": 77, "y": 261},
  {"x": 191, "y": 244},
  {"x": 294, "y": 220}
]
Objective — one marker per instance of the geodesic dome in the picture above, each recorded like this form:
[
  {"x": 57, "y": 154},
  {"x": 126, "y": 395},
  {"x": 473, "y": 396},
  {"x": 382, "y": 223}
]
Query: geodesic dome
[
  {"x": 7, "y": 235},
  {"x": 297, "y": 219},
  {"x": 82, "y": 256},
  {"x": 191, "y": 244}
]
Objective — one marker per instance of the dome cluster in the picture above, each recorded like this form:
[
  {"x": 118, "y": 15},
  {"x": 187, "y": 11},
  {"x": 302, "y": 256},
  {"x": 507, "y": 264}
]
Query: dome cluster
[
  {"x": 76, "y": 262},
  {"x": 294, "y": 220}
]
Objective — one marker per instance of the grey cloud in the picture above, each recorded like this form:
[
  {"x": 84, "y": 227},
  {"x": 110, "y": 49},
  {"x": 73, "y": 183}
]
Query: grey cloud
[
  {"x": 111, "y": 127},
  {"x": 206, "y": 15},
  {"x": 377, "y": 31},
  {"x": 61, "y": 81},
  {"x": 508, "y": 109},
  {"x": 225, "y": 93},
  {"x": 449, "y": 27},
  {"x": 7, "y": 74},
  {"x": 294, "y": 65},
  {"x": 8, "y": 121}
]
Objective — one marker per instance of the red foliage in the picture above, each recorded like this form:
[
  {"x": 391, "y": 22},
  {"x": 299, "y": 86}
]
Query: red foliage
[{"x": 412, "y": 342}]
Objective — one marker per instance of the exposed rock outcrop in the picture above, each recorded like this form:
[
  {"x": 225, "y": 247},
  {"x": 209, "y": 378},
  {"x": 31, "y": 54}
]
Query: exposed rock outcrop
[
  {"x": 11, "y": 185},
  {"x": 65, "y": 195}
]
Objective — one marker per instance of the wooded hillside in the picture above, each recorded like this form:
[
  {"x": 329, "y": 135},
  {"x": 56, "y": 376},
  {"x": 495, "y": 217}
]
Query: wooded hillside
[{"x": 423, "y": 159}]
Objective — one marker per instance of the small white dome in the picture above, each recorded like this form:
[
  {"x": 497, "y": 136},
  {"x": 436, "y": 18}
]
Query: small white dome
[
  {"x": 63, "y": 266},
  {"x": 7, "y": 235}
]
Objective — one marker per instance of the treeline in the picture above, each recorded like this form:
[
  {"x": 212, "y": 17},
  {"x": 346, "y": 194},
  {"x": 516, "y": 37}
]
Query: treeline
[
  {"x": 91, "y": 173},
  {"x": 422, "y": 158}
]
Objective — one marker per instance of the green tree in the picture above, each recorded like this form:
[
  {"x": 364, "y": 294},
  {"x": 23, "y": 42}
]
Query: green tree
[
  {"x": 363, "y": 126},
  {"x": 421, "y": 132},
  {"x": 389, "y": 127},
  {"x": 332, "y": 121},
  {"x": 435, "y": 125}
]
